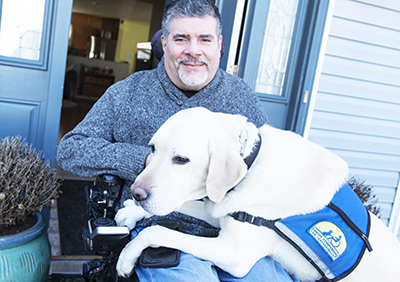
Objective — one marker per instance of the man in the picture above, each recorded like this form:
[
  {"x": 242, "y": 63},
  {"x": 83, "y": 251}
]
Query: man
[{"x": 114, "y": 135}]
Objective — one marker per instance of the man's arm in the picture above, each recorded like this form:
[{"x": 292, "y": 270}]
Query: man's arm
[{"x": 90, "y": 148}]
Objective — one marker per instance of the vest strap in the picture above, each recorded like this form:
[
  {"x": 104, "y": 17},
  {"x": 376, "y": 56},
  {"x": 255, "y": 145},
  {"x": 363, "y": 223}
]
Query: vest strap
[
  {"x": 333, "y": 239},
  {"x": 255, "y": 220}
]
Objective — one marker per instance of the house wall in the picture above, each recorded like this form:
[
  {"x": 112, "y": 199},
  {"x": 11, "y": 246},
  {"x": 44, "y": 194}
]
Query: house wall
[
  {"x": 130, "y": 34},
  {"x": 357, "y": 107}
]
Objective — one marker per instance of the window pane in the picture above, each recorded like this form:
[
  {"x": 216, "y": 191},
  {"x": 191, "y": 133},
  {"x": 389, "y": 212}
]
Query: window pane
[
  {"x": 21, "y": 28},
  {"x": 276, "y": 46}
]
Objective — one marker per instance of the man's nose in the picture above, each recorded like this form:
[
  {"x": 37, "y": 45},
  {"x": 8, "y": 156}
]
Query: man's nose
[{"x": 193, "y": 48}]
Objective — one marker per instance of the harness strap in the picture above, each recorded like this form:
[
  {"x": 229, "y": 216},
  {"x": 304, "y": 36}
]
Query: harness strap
[
  {"x": 255, "y": 220},
  {"x": 270, "y": 224},
  {"x": 351, "y": 224}
]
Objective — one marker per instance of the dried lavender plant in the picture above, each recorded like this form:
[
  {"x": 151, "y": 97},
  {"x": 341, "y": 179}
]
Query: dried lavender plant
[
  {"x": 27, "y": 182},
  {"x": 364, "y": 192}
]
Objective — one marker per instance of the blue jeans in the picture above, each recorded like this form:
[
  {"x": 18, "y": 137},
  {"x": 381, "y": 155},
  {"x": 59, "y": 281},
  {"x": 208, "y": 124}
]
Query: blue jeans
[{"x": 193, "y": 269}]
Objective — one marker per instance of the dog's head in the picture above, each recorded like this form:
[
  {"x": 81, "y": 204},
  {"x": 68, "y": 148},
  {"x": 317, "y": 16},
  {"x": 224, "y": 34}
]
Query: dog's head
[{"x": 196, "y": 153}]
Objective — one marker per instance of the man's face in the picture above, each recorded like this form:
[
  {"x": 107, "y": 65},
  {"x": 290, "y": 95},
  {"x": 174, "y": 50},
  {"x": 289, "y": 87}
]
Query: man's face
[{"x": 192, "y": 52}]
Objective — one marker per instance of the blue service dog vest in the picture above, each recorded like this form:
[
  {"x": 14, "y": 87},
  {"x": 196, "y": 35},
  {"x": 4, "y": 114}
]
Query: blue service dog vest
[{"x": 333, "y": 239}]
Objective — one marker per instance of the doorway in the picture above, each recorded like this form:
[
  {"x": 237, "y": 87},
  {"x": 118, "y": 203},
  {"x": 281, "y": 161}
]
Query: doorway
[{"x": 99, "y": 19}]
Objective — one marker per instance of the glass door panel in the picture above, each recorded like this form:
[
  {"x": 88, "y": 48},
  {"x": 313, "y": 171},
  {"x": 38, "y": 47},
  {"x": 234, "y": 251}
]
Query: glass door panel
[
  {"x": 25, "y": 32},
  {"x": 276, "y": 46},
  {"x": 21, "y": 28}
]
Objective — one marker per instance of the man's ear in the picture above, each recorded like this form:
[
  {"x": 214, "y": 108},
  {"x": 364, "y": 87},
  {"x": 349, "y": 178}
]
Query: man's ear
[
  {"x": 220, "y": 44},
  {"x": 163, "y": 42}
]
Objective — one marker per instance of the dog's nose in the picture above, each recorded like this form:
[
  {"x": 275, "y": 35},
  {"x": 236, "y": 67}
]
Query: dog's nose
[{"x": 139, "y": 194}]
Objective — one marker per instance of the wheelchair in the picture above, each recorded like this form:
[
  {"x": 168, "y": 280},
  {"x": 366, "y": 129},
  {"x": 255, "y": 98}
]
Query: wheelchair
[{"x": 102, "y": 235}]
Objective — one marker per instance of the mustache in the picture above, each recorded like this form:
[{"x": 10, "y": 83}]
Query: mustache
[{"x": 193, "y": 61}]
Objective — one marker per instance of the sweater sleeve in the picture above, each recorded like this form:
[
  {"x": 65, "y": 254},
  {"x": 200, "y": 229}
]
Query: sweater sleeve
[{"x": 91, "y": 149}]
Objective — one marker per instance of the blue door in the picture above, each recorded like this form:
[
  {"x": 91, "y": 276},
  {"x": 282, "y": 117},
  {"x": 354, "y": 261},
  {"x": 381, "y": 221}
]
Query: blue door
[
  {"x": 274, "y": 46},
  {"x": 33, "y": 52}
]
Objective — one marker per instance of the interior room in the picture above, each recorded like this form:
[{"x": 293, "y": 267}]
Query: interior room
[{"x": 102, "y": 49}]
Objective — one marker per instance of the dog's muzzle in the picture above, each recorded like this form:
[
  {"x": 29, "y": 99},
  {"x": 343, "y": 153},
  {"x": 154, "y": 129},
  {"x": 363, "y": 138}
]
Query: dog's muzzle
[{"x": 140, "y": 194}]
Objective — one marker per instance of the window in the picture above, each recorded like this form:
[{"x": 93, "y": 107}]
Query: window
[{"x": 24, "y": 32}]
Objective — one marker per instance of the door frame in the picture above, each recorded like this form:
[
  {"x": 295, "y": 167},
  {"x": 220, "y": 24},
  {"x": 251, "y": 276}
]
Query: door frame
[
  {"x": 305, "y": 59},
  {"x": 313, "y": 36},
  {"x": 61, "y": 21}
]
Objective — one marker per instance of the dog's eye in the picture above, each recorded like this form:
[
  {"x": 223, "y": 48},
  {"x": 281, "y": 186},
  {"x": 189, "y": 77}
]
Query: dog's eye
[
  {"x": 152, "y": 148},
  {"x": 180, "y": 160}
]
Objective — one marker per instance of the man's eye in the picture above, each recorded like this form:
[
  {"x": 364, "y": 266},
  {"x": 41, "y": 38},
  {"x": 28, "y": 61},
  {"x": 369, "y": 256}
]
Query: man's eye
[{"x": 180, "y": 160}]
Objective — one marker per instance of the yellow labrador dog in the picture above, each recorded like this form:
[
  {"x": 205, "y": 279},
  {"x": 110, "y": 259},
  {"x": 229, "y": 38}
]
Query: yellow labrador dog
[{"x": 198, "y": 154}]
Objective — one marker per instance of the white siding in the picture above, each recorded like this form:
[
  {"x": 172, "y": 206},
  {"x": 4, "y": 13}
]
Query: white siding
[{"x": 357, "y": 108}]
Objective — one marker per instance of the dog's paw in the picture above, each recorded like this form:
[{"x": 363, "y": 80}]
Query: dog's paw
[
  {"x": 126, "y": 261},
  {"x": 130, "y": 214}
]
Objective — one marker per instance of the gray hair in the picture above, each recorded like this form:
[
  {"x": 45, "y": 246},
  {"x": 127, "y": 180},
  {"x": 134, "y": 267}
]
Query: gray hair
[{"x": 190, "y": 8}]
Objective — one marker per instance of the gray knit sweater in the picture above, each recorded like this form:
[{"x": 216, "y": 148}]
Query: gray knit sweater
[{"x": 114, "y": 135}]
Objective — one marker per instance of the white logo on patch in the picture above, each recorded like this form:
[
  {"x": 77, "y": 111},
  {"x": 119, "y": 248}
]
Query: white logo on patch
[{"x": 330, "y": 237}]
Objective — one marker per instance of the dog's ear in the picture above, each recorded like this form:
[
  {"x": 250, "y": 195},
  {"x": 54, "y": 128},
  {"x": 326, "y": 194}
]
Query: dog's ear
[
  {"x": 226, "y": 166},
  {"x": 226, "y": 169}
]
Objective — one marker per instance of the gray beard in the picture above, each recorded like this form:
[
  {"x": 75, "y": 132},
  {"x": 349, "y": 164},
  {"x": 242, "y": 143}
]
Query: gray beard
[{"x": 192, "y": 80}]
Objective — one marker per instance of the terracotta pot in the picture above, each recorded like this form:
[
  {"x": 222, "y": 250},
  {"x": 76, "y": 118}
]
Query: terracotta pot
[{"x": 26, "y": 256}]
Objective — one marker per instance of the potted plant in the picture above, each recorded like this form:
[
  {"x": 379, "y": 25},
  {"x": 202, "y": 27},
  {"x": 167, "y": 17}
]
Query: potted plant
[{"x": 27, "y": 185}]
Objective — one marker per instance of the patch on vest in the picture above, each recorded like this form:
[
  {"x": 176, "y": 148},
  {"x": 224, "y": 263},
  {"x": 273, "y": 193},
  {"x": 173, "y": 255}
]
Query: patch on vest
[
  {"x": 334, "y": 238},
  {"x": 330, "y": 237}
]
